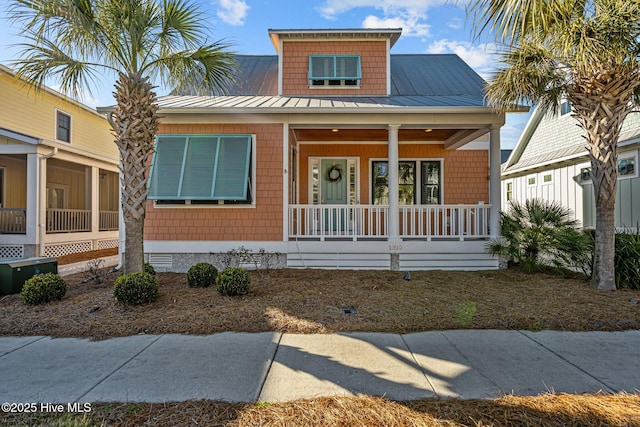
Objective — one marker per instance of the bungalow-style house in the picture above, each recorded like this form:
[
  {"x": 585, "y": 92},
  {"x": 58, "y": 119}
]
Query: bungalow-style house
[
  {"x": 58, "y": 174},
  {"x": 334, "y": 153},
  {"x": 550, "y": 162}
]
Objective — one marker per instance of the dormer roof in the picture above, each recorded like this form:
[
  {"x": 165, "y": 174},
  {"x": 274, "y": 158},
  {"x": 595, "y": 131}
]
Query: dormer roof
[{"x": 391, "y": 34}]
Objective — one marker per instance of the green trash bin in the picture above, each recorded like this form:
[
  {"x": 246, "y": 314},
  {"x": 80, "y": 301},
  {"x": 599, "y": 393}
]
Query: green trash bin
[{"x": 14, "y": 272}]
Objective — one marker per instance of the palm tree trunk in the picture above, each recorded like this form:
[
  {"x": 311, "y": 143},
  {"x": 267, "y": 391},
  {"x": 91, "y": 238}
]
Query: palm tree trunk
[
  {"x": 601, "y": 102},
  {"x": 135, "y": 124}
]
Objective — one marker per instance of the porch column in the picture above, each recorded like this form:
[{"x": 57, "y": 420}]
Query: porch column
[
  {"x": 394, "y": 213},
  {"x": 94, "y": 197},
  {"x": 494, "y": 181},
  {"x": 33, "y": 194}
]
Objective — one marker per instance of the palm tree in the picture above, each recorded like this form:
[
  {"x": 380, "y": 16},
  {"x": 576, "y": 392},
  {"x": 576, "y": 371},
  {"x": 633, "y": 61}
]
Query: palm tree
[
  {"x": 539, "y": 233},
  {"x": 137, "y": 41},
  {"x": 584, "y": 51}
]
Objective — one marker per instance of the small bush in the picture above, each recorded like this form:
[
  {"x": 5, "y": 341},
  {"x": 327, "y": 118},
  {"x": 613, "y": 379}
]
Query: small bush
[
  {"x": 43, "y": 288},
  {"x": 148, "y": 268},
  {"x": 233, "y": 281},
  {"x": 136, "y": 288},
  {"x": 201, "y": 275}
]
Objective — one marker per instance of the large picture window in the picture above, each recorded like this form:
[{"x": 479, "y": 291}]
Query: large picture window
[
  {"x": 201, "y": 169},
  {"x": 334, "y": 70},
  {"x": 419, "y": 182}
]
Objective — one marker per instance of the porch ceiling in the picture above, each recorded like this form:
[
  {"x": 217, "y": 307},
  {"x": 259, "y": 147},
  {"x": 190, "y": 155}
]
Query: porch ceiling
[{"x": 373, "y": 135}]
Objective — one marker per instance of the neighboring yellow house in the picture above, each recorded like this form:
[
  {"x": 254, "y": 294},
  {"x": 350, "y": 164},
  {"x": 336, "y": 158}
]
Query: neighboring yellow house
[{"x": 58, "y": 174}]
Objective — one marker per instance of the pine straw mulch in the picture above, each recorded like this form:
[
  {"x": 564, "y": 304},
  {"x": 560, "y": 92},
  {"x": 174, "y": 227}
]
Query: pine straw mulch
[
  {"x": 310, "y": 301},
  {"x": 545, "y": 410}
]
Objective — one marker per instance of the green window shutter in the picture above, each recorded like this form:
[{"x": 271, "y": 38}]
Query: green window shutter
[
  {"x": 197, "y": 181},
  {"x": 167, "y": 167},
  {"x": 321, "y": 67},
  {"x": 348, "y": 67},
  {"x": 232, "y": 172}
]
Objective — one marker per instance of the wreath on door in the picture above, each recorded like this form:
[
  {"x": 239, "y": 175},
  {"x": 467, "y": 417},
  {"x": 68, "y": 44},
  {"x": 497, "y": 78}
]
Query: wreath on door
[{"x": 334, "y": 173}]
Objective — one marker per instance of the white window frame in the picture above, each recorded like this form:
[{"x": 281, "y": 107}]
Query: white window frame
[
  {"x": 418, "y": 177},
  {"x": 506, "y": 190},
  {"x": 544, "y": 175},
  {"x": 56, "y": 126},
  {"x": 220, "y": 205},
  {"x": 535, "y": 180},
  {"x": 567, "y": 113},
  {"x": 629, "y": 156}
]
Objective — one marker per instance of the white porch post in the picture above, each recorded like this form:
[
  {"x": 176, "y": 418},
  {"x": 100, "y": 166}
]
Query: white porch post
[
  {"x": 95, "y": 200},
  {"x": 33, "y": 206},
  {"x": 392, "y": 170},
  {"x": 494, "y": 181}
]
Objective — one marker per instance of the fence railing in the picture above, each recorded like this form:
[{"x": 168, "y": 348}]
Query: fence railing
[
  {"x": 68, "y": 220},
  {"x": 108, "y": 220},
  {"x": 445, "y": 221},
  {"x": 13, "y": 220},
  {"x": 371, "y": 221}
]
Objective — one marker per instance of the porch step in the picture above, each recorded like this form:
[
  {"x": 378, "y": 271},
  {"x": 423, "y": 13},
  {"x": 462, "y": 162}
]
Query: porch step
[{"x": 377, "y": 255}]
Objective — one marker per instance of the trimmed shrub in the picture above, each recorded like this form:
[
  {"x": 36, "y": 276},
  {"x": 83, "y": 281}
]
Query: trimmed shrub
[
  {"x": 148, "y": 268},
  {"x": 43, "y": 288},
  {"x": 202, "y": 275},
  {"x": 233, "y": 281},
  {"x": 136, "y": 288}
]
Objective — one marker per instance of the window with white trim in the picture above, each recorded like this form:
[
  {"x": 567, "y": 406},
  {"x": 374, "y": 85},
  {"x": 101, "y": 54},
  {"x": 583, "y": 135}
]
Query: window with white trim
[
  {"x": 63, "y": 126},
  {"x": 547, "y": 179},
  {"x": 419, "y": 182},
  {"x": 627, "y": 167},
  {"x": 565, "y": 107},
  {"x": 509, "y": 191},
  {"x": 334, "y": 70},
  {"x": 202, "y": 169},
  {"x": 531, "y": 181}
]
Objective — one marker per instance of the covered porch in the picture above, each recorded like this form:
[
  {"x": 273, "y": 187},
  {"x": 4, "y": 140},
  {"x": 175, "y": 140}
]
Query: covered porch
[
  {"x": 347, "y": 210},
  {"x": 53, "y": 203}
]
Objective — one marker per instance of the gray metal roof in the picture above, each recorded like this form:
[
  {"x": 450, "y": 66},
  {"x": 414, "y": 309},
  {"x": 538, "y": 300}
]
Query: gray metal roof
[{"x": 416, "y": 81}]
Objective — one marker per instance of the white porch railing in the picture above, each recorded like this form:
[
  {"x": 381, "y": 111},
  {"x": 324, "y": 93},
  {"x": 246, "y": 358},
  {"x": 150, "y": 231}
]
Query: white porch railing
[
  {"x": 68, "y": 220},
  {"x": 108, "y": 220},
  {"x": 371, "y": 221},
  {"x": 13, "y": 220},
  {"x": 445, "y": 221}
]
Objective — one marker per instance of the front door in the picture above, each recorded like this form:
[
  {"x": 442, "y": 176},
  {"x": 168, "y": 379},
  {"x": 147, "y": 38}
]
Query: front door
[{"x": 334, "y": 191}]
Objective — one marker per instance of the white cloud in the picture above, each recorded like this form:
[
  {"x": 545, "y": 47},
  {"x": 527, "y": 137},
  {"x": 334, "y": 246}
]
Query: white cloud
[
  {"x": 455, "y": 23},
  {"x": 232, "y": 12},
  {"x": 331, "y": 8},
  {"x": 482, "y": 58},
  {"x": 410, "y": 25},
  {"x": 410, "y": 15}
]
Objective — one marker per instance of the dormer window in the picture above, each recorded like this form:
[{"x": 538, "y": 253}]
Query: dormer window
[{"x": 334, "y": 70}]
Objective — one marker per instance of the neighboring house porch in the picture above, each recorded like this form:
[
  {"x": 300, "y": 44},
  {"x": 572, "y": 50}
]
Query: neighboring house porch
[{"x": 54, "y": 203}]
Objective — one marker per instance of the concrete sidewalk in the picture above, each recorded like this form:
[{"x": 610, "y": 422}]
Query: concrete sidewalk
[{"x": 279, "y": 367}]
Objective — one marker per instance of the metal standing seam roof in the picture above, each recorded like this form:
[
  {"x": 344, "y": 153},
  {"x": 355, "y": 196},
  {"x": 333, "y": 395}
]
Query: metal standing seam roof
[{"x": 416, "y": 81}]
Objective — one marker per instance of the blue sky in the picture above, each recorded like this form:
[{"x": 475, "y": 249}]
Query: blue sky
[{"x": 429, "y": 26}]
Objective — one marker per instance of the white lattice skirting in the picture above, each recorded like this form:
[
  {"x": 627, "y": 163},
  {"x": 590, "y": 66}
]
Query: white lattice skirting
[
  {"x": 108, "y": 244},
  {"x": 67, "y": 248},
  {"x": 12, "y": 251}
]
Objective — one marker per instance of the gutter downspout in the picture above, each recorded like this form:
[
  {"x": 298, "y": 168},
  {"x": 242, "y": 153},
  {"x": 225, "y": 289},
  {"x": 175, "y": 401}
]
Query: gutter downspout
[
  {"x": 121, "y": 235},
  {"x": 40, "y": 219}
]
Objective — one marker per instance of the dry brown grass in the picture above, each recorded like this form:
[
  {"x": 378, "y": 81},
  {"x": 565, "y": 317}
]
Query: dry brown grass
[
  {"x": 541, "y": 411},
  {"x": 309, "y": 301}
]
